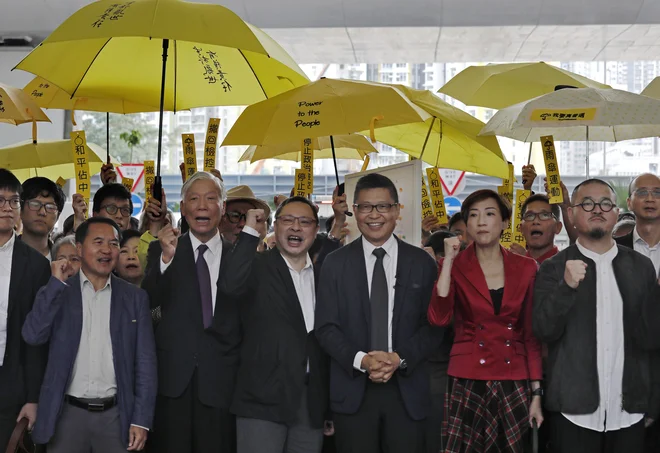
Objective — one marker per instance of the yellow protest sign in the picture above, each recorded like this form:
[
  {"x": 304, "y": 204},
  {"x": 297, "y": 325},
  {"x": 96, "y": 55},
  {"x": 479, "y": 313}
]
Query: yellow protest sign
[
  {"x": 189, "y": 154},
  {"x": 60, "y": 182},
  {"x": 128, "y": 183},
  {"x": 548, "y": 115},
  {"x": 211, "y": 143},
  {"x": 427, "y": 207},
  {"x": 81, "y": 162},
  {"x": 521, "y": 196},
  {"x": 307, "y": 164},
  {"x": 149, "y": 178},
  {"x": 552, "y": 170},
  {"x": 437, "y": 197},
  {"x": 506, "y": 191},
  {"x": 301, "y": 184}
]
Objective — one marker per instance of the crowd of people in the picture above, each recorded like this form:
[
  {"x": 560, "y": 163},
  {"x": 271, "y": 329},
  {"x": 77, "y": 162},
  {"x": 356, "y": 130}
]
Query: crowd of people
[{"x": 241, "y": 330}]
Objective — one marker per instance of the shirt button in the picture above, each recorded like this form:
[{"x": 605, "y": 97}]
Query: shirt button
[
  {"x": 482, "y": 361},
  {"x": 508, "y": 342},
  {"x": 509, "y": 326},
  {"x": 481, "y": 344},
  {"x": 481, "y": 327},
  {"x": 508, "y": 361}
]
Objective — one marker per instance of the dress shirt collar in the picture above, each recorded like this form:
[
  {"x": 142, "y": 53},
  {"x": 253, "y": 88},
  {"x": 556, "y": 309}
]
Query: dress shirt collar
[
  {"x": 598, "y": 258},
  {"x": 308, "y": 264},
  {"x": 388, "y": 246},
  {"x": 84, "y": 279},
  {"x": 214, "y": 244},
  {"x": 637, "y": 238},
  {"x": 9, "y": 245}
]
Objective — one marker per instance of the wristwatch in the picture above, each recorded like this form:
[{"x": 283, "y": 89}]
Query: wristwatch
[
  {"x": 537, "y": 392},
  {"x": 332, "y": 237},
  {"x": 403, "y": 364}
]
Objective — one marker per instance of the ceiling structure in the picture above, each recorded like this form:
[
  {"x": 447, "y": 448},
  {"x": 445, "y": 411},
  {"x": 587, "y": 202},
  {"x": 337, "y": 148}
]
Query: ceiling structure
[{"x": 417, "y": 31}]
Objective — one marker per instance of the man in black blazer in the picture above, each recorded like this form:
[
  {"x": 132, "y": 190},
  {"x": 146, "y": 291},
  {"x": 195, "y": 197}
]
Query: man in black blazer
[
  {"x": 23, "y": 271},
  {"x": 282, "y": 388},
  {"x": 371, "y": 319},
  {"x": 198, "y": 337}
]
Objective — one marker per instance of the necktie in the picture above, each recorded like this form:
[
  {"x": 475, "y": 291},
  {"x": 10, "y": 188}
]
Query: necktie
[
  {"x": 379, "y": 305},
  {"x": 204, "y": 279}
]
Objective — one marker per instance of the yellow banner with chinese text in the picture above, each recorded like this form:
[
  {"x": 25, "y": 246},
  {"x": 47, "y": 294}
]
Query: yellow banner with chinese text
[
  {"x": 552, "y": 170},
  {"x": 427, "y": 207},
  {"x": 149, "y": 178},
  {"x": 548, "y": 115},
  {"x": 189, "y": 155},
  {"x": 211, "y": 143},
  {"x": 81, "y": 163},
  {"x": 521, "y": 196},
  {"x": 437, "y": 197}
]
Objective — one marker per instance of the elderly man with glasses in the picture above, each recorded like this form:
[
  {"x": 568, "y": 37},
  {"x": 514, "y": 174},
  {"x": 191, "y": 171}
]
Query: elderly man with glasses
[
  {"x": 240, "y": 200},
  {"x": 540, "y": 224}
]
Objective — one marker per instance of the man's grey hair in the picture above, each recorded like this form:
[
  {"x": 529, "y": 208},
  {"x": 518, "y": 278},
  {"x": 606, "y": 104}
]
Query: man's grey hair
[
  {"x": 70, "y": 239},
  {"x": 204, "y": 175}
]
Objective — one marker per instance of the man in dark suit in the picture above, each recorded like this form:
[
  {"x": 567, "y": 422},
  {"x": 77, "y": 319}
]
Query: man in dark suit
[
  {"x": 199, "y": 334},
  {"x": 371, "y": 319},
  {"x": 23, "y": 271},
  {"x": 282, "y": 387},
  {"x": 100, "y": 382}
]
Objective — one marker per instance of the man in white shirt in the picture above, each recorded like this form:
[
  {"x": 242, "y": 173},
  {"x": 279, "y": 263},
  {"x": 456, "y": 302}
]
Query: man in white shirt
[
  {"x": 371, "y": 320},
  {"x": 23, "y": 271},
  {"x": 596, "y": 307}
]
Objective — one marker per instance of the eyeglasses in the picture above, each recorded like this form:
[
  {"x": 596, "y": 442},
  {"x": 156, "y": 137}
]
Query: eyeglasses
[
  {"x": 605, "y": 205},
  {"x": 289, "y": 220},
  {"x": 113, "y": 208},
  {"x": 543, "y": 216},
  {"x": 36, "y": 205},
  {"x": 367, "y": 208},
  {"x": 235, "y": 217},
  {"x": 14, "y": 203},
  {"x": 643, "y": 193}
]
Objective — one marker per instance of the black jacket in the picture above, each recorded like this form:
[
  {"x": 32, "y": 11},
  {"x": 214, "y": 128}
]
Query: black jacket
[
  {"x": 626, "y": 240},
  {"x": 182, "y": 343},
  {"x": 276, "y": 345},
  {"x": 343, "y": 325},
  {"x": 565, "y": 319}
]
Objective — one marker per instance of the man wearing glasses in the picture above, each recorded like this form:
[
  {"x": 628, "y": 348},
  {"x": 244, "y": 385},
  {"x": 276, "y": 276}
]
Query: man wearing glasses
[
  {"x": 596, "y": 307},
  {"x": 113, "y": 201},
  {"x": 240, "y": 200},
  {"x": 540, "y": 224},
  {"x": 41, "y": 204}
]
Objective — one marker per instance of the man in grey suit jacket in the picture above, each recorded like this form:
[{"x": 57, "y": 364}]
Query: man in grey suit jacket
[{"x": 99, "y": 390}]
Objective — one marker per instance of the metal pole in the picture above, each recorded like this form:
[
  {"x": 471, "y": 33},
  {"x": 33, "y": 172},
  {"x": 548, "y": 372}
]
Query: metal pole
[
  {"x": 158, "y": 182},
  {"x": 334, "y": 160},
  {"x": 587, "y": 158}
]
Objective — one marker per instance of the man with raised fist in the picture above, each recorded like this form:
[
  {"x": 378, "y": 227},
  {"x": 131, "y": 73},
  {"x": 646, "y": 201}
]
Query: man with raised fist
[{"x": 596, "y": 307}]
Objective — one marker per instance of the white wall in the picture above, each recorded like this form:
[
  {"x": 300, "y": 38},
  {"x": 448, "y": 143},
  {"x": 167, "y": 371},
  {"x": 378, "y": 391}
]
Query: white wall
[{"x": 11, "y": 134}]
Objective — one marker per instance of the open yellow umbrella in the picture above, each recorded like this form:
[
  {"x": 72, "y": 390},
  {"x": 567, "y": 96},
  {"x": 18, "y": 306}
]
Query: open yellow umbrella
[
  {"x": 52, "y": 159},
  {"x": 119, "y": 50},
  {"x": 449, "y": 139},
  {"x": 500, "y": 85},
  {"x": 652, "y": 90},
  {"x": 346, "y": 147},
  {"x": 17, "y": 108}
]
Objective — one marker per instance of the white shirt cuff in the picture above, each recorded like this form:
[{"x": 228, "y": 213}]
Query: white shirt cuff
[
  {"x": 163, "y": 265},
  {"x": 357, "y": 361},
  {"x": 146, "y": 429},
  {"x": 251, "y": 231}
]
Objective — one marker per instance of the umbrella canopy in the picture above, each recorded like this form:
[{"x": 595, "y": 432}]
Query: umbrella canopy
[
  {"x": 16, "y": 107},
  {"x": 449, "y": 139},
  {"x": 579, "y": 114},
  {"x": 52, "y": 159},
  {"x": 323, "y": 108},
  {"x": 498, "y": 86},
  {"x": 652, "y": 90},
  {"x": 112, "y": 50},
  {"x": 346, "y": 147}
]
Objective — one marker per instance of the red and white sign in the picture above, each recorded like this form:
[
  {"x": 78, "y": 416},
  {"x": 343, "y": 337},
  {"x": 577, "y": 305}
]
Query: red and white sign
[
  {"x": 453, "y": 182},
  {"x": 135, "y": 172}
]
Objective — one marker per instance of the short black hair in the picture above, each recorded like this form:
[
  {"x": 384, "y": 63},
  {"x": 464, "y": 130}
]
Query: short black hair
[
  {"x": 484, "y": 194},
  {"x": 298, "y": 200},
  {"x": 329, "y": 223},
  {"x": 129, "y": 234},
  {"x": 67, "y": 226},
  {"x": 8, "y": 181},
  {"x": 40, "y": 186},
  {"x": 437, "y": 241},
  {"x": 83, "y": 229},
  {"x": 554, "y": 208},
  {"x": 453, "y": 220},
  {"x": 375, "y": 181},
  {"x": 114, "y": 190},
  {"x": 589, "y": 182}
]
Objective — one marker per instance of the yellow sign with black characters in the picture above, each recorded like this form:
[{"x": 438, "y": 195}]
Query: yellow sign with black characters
[
  {"x": 518, "y": 237},
  {"x": 307, "y": 165},
  {"x": 128, "y": 183},
  {"x": 60, "y": 182},
  {"x": 149, "y": 178},
  {"x": 81, "y": 163},
  {"x": 427, "y": 207},
  {"x": 301, "y": 185},
  {"x": 211, "y": 144},
  {"x": 552, "y": 170},
  {"x": 437, "y": 197},
  {"x": 506, "y": 191},
  {"x": 189, "y": 155},
  {"x": 562, "y": 115}
]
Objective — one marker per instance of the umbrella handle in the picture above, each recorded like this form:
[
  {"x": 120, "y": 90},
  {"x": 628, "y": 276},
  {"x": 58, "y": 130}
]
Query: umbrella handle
[
  {"x": 157, "y": 189},
  {"x": 535, "y": 436}
]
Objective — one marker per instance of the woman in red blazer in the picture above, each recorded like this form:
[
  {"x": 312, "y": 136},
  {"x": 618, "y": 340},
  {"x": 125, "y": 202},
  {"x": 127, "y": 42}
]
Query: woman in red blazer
[{"x": 495, "y": 363}]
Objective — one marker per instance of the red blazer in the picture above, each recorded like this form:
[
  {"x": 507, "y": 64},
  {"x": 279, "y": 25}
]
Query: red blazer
[{"x": 489, "y": 346}]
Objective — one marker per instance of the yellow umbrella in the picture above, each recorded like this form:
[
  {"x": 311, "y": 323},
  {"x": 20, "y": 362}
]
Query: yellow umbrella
[
  {"x": 17, "y": 108},
  {"x": 501, "y": 85},
  {"x": 52, "y": 159},
  {"x": 652, "y": 90},
  {"x": 449, "y": 139},
  {"x": 346, "y": 147}
]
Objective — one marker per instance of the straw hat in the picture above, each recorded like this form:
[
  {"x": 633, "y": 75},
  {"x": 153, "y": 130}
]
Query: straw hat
[{"x": 244, "y": 193}]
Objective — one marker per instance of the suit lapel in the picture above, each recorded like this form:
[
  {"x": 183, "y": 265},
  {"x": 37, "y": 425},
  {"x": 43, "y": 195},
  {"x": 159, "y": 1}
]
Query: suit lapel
[
  {"x": 187, "y": 264},
  {"x": 359, "y": 270},
  {"x": 510, "y": 284},
  {"x": 76, "y": 308},
  {"x": 292, "y": 301},
  {"x": 116, "y": 301},
  {"x": 467, "y": 264},
  {"x": 404, "y": 266},
  {"x": 19, "y": 264}
]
